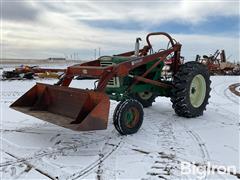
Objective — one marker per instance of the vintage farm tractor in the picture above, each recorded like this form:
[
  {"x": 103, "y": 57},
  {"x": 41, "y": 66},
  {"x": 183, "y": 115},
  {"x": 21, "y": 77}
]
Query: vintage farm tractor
[{"x": 133, "y": 78}]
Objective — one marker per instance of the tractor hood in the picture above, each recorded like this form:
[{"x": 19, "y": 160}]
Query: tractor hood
[{"x": 114, "y": 59}]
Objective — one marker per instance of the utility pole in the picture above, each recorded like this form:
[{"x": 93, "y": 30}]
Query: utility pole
[
  {"x": 95, "y": 53},
  {"x": 99, "y": 52}
]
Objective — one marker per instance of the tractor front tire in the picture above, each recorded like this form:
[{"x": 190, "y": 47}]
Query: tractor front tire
[
  {"x": 191, "y": 90},
  {"x": 128, "y": 116},
  {"x": 145, "y": 98}
]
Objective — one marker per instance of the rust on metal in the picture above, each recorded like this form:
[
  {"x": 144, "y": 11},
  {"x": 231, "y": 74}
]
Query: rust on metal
[
  {"x": 71, "y": 108},
  {"x": 149, "y": 81}
]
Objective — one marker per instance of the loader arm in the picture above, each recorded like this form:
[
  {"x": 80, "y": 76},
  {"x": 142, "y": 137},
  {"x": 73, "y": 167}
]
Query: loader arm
[{"x": 104, "y": 74}]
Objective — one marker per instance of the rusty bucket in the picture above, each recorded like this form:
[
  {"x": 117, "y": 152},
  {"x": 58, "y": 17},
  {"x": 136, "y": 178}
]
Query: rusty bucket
[{"x": 76, "y": 109}]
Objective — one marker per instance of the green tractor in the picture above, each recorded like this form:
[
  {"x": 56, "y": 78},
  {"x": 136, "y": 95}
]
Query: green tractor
[{"x": 134, "y": 79}]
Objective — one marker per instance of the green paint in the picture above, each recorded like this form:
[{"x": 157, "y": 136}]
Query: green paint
[{"x": 120, "y": 93}]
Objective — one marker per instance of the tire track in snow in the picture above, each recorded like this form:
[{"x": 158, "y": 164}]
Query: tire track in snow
[
  {"x": 198, "y": 140},
  {"x": 8, "y": 97},
  {"x": 214, "y": 88},
  {"x": 233, "y": 88},
  {"x": 11, "y": 94},
  {"x": 105, "y": 153},
  {"x": 97, "y": 163},
  {"x": 31, "y": 166},
  {"x": 229, "y": 98},
  {"x": 217, "y": 107},
  {"x": 203, "y": 149},
  {"x": 226, "y": 88},
  {"x": 46, "y": 152},
  {"x": 231, "y": 115},
  {"x": 107, "y": 170},
  {"x": 28, "y": 129},
  {"x": 164, "y": 166}
]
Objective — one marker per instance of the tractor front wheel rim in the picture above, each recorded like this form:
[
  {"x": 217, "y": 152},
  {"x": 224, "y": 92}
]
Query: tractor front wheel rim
[
  {"x": 131, "y": 117},
  {"x": 197, "y": 91}
]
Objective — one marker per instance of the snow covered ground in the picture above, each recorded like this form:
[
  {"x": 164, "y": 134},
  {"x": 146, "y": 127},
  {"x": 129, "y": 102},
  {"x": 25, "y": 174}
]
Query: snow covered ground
[{"x": 33, "y": 149}]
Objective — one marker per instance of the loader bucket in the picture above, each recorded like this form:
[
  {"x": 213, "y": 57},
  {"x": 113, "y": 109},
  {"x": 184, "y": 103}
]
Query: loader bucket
[{"x": 76, "y": 109}]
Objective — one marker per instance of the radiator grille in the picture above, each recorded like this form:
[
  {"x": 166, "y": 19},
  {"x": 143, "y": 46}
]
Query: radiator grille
[
  {"x": 106, "y": 63},
  {"x": 114, "y": 82}
]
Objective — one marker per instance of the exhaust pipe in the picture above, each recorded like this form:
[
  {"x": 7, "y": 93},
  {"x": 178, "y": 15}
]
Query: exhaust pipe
[{"x": 137, "y": 46}]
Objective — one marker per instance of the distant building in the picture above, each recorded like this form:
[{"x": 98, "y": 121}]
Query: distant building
[{"x": 56, "y": 59}]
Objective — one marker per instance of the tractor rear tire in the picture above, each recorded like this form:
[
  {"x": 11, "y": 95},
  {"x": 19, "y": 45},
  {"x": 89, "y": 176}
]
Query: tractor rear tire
[
  {"x": 191, "y": 90},
  {"x": 128, "y": 116},
  {"x": 145, "y": 98}
]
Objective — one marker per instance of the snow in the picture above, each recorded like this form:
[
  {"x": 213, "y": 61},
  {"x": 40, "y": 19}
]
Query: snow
[{"x": 34, "y": 149}]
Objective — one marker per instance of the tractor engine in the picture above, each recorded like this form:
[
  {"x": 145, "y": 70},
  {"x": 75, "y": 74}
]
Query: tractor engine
[
  {"x": 117, "y": 86},
  {"x": 109, "y": 61}
]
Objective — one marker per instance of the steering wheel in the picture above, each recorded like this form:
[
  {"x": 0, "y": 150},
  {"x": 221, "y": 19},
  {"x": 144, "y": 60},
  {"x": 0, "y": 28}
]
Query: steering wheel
[
  {"x": 161, "y": 49},
  {"x": 171, "y": 40}
]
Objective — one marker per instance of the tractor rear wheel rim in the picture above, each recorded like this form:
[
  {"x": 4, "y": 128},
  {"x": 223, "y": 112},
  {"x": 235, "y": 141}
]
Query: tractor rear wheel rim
[
  {"x": 145, "y": 95},
  {"x": 131, "y": 117},
  {"x": 197, "y": 91}
]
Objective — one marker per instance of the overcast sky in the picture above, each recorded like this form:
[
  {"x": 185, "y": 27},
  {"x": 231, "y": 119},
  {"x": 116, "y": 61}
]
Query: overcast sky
[{"x": 42, "y": 29}]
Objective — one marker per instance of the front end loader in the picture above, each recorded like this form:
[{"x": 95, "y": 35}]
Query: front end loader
[{"x": 133, "y": 78}]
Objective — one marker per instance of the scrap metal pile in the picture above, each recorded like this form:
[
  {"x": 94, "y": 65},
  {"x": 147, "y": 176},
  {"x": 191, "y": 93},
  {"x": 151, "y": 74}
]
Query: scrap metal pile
[
  {"x": 218, "y": 65},
  {"x": 31, "y": 72}
]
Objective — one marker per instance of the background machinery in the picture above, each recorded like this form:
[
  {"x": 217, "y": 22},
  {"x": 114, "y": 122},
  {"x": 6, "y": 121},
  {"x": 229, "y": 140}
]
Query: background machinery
[
  {"x": 218, "y": 65},
  {"x": 30, "y": 72}
]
